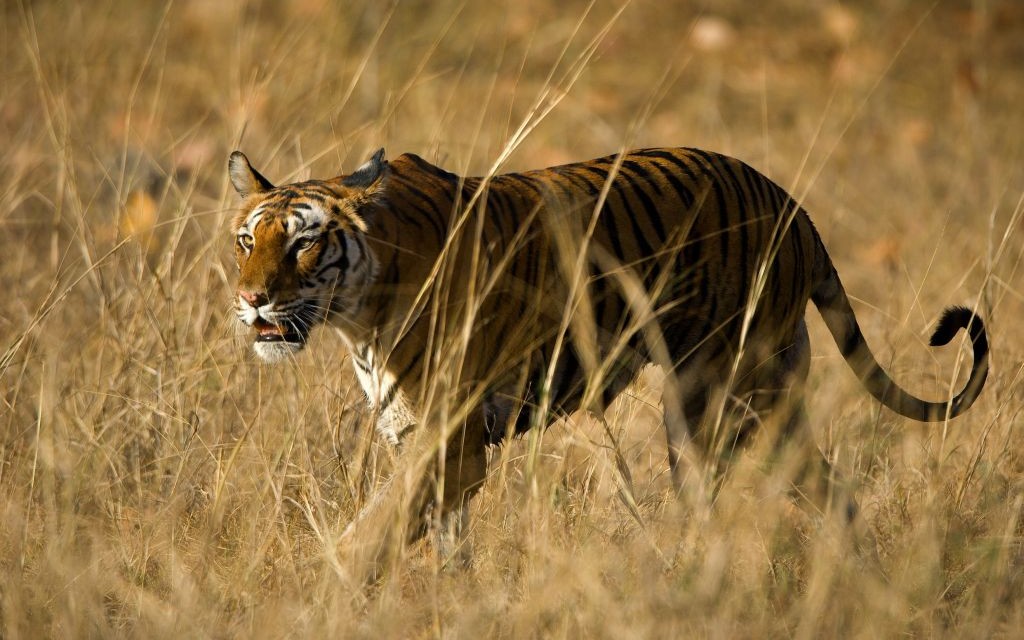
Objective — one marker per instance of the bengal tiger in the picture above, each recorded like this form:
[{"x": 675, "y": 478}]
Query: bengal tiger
[{"x": 528, "y": 296}]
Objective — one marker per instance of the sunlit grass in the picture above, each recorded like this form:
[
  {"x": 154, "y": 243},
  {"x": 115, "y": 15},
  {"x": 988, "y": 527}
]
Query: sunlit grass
[{"x": 155, "y": 480}]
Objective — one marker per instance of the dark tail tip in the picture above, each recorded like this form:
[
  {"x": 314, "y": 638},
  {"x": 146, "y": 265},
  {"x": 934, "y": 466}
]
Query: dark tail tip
[{"x": 953, "y": 320}]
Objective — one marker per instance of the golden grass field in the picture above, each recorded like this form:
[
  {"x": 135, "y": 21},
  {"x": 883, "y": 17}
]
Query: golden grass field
[{"x": 157, "y": 481}]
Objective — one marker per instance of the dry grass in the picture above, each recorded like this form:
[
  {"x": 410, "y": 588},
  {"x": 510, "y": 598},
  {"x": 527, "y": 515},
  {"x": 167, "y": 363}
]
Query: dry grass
[{"x": 155, "y": 481}]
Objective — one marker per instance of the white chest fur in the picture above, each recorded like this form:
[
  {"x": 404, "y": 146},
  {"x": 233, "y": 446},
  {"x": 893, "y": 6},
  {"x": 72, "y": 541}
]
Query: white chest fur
[{"x": 383, "y": 394}]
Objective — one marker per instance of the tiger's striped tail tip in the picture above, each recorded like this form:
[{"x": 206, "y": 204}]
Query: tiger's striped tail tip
[{"x": 953, "y": 320}]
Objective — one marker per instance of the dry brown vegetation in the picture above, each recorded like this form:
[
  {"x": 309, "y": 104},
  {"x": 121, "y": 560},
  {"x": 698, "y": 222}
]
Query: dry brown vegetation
[{"x": 156, "y": 481}]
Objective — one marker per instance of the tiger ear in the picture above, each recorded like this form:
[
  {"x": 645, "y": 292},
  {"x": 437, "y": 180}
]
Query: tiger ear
[
  {"x": 244, "y": 178},
  {"x": 367, "y": 175}
]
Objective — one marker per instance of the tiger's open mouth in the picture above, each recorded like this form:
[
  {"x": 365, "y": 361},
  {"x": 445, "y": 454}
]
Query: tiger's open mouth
[{"x": 270, "y": 332}]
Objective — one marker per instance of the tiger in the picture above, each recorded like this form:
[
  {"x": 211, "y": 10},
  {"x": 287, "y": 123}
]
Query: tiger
[{"x": 526, "y": 297}]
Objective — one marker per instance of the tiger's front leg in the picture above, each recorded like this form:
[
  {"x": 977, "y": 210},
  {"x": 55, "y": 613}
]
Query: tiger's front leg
[
  {"x": 434, "y": 478},
  {"x": 465, "y": 468}
]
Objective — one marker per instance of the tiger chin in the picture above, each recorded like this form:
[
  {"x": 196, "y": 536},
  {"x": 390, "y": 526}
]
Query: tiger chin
[{"x": 454, "y": 287}]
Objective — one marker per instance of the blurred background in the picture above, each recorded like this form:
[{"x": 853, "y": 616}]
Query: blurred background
[{"x": 155, "y": 480}]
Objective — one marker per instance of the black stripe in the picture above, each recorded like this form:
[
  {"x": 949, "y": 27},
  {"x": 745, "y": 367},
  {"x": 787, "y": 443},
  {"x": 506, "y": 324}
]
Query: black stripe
[
  {"x": 653, "y": 214},
  {"x": 741, "y": 230},
  {"x": 685, "y": 193},
  {"x": 578, "y": 180},
  {"x": 757, "y": 185},
  {"x": 433, "y": 215},
  {"x": 558, "y": 181},
  {"x": 389, "y": 397},
  {"x": 364, "y": 352},
  {"x": 469, "y": 188},
  {"x": 600, "y": 173},
  {"x": 608, "y": 214},
  {"x": 392, "y": 391},
  {"x": 723, "y": 209},
  {"x": 503, "y": 215},
  {"x": 642, "y": 172},
  {"x": 607, "y": 217},
  {"x": 425, "y": 203},
  {"x": 521, "y": 179},
  {"x": 782, "y": 204},
  {"x": 342, "y": 262},
  {"x": 623, "y": 191},
  {"x": 854, "y": 338},
  {"x": 305, "y": 195}
]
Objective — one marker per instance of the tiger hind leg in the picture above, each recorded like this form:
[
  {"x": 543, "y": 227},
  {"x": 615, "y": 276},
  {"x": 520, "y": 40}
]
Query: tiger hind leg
[
  {"x": 684, "y": 402},
  {"x": 816, "y": 483},
  {"x": 765, "y": 406}
]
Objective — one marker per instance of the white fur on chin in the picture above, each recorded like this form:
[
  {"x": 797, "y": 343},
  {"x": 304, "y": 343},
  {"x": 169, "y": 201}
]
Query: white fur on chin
[{"x": 273, "y": 352}]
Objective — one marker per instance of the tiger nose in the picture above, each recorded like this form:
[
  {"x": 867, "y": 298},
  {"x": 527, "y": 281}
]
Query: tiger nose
[{"x": 254, "y": 298}]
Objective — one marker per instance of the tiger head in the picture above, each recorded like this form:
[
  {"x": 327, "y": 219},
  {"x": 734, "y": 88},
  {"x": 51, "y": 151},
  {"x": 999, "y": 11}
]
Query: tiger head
[{"x": 301, "y": 252}]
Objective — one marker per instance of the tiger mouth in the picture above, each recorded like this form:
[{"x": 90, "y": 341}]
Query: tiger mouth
[{"x": 270, "y": 332}]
